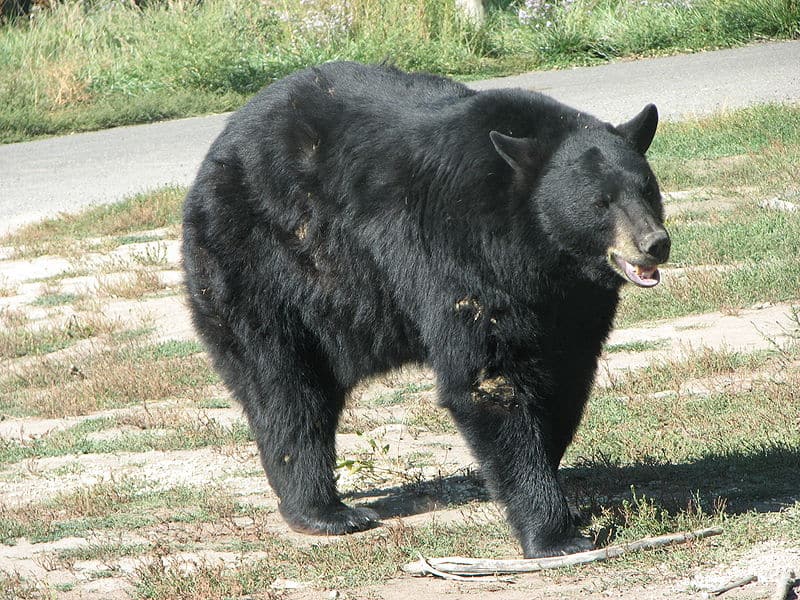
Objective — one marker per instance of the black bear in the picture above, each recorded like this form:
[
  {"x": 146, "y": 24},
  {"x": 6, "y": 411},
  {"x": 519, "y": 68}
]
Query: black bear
[{"x": 353, "y": 218}]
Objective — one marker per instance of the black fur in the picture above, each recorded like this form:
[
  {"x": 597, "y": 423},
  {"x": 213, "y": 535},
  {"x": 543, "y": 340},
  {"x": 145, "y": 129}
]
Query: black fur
[{"x": 353, "y": 218}]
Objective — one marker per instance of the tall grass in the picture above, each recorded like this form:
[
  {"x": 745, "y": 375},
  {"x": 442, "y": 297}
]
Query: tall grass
[{"x": 91, "y": 64}]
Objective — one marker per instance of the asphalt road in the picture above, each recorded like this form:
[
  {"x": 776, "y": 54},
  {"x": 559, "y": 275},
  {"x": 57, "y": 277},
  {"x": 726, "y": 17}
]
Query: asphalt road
[{"x": 45, "y": 177}]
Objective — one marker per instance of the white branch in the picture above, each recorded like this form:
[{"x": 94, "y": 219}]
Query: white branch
[
  {"x": 731, "y": 586},
  {"x": 456, "y": 565}
]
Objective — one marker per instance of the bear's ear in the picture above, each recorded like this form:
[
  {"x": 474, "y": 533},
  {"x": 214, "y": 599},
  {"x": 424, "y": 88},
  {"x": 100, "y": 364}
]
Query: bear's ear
[
  {"x": 517, "y": 152},
  {"x": 641, "y": 129}
]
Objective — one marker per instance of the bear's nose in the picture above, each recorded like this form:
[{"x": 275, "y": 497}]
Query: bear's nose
[{"x": 657, "y": 245}]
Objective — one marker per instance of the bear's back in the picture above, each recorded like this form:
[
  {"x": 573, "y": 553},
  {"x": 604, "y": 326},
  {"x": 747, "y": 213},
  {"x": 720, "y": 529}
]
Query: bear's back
[{"x": 372, "y": 90}]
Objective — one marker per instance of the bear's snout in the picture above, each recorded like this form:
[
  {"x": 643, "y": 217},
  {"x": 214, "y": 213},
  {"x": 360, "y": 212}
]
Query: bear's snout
[{"x": 656, "y": 244}]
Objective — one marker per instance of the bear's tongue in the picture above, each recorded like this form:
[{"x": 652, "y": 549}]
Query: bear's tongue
[{"x": 641, "y": 276}]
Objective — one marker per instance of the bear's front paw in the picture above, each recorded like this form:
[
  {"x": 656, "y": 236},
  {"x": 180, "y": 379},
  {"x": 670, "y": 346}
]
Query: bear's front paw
[
  {"x": 335, "y": 519},
  {"x": 569, "y": 545}
]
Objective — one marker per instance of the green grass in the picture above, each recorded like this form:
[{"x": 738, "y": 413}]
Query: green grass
[
  {"x": 757, "y": 148},
  {"x": 85, "y": 65},
  {"x": 744, "y": 131},
  {"x": 400, "y": 396},
  {"x": 213, "y": 403},
  {"x": 164, "y": 350},
  {"x": 694, "y": 430},
  {"x": 666, "y": 374},
  {"x": 746, "y": 234}
]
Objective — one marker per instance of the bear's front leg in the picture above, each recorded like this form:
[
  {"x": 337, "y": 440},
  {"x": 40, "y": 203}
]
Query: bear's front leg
[
  {"x": 509, "y": 435},
  {"x": 293, "y": 402}
]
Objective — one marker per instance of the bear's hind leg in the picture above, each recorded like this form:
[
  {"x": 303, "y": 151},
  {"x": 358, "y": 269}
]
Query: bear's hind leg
[{"x": 293, "y": 407}]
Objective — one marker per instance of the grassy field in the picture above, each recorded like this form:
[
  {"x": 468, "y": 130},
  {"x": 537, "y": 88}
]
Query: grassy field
[
  {"x": 136, "y": 470},
  {"x": 92, "y": 64}
]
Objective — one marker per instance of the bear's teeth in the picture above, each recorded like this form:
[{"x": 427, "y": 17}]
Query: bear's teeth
[{"x": 645, "y": 272}]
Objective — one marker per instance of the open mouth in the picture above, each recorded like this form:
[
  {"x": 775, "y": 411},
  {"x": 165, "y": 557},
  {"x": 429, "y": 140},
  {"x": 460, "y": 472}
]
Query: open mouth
[{"x": 638, "y": 274}]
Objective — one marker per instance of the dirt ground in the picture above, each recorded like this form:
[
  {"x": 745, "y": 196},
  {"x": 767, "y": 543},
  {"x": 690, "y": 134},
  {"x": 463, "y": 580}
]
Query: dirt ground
[{"x": 238, "y": 469}]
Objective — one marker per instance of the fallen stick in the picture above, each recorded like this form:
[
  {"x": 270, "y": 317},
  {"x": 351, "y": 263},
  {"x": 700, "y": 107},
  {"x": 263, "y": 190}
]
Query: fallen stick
[
  {"x": 731, "y": 586},
  {"x": 784, "y": 586},
  {"x": 427, "y": 569},
  {"x": 472, "y": 567}
]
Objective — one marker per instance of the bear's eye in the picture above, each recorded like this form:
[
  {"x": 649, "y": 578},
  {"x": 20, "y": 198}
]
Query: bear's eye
[{"x": 603, "y": 201}]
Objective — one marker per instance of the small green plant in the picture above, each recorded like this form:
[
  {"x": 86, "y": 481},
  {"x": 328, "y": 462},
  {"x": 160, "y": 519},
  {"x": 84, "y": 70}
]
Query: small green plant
[
  {"x": 637, "y": 346},
  {"x": 367, "y": 463},
  {"x": 56, "y": 299},
  {"x": 214, "y": 403}
]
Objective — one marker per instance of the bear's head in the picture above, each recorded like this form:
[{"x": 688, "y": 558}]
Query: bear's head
[{"x": 595, "y": 196}]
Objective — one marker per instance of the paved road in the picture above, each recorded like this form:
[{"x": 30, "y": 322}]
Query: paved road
[{"x": 67, "y": 173}]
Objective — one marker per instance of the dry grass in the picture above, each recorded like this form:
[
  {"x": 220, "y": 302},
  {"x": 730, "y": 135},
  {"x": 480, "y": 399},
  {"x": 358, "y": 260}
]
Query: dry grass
[
  {"x": 65, "y": 86},
  {"x": 14, "y": 586},
  {"x": 70, "y": 233},
  {"x": 7, "y": 288},
  {"x": 117, "y": 377},
  {"x": 133, "y": 285},
  {"x": 22, "y": 338},
  {"x": 427, "y": 415},
  {"x": 161, "y": 578},
  {"x": 127, "y": 503},
  {"x": 672, "y": 374},
  {"x": 12, "y": 318}
]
